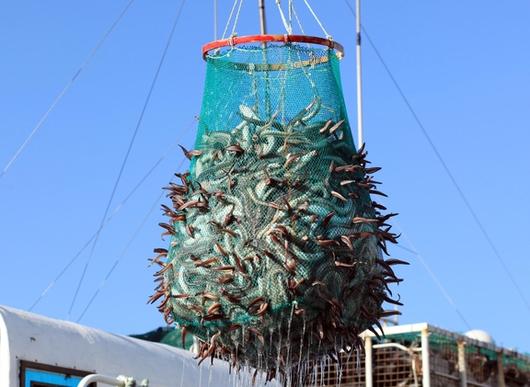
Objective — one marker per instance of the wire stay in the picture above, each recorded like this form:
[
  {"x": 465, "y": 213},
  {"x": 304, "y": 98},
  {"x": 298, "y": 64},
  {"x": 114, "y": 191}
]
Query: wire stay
[
  {"x": 65, "y": 89},
  {"x": 122, "y": 255},
  {"x": 451, "y": 176},
  {"x": 124, "y": 251},
  {"x": 127, "y": 154},
  {"x": 109, "y": 218},
  {"x": 413, "y": 250}
]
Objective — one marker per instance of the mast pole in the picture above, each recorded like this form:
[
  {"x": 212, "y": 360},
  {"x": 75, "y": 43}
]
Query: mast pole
[
  {"x": 360, "y": 134},
  {"x": 262, "y": 17},
  {"x": 263, "y": 31}
]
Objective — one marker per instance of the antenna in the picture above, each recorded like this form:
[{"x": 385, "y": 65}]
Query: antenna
[
  {"x": 262, "y": 17},
  {"x": 360, "y": 139}
]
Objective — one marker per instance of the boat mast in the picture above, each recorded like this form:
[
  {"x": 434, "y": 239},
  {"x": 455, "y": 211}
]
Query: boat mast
[
  {"x": 360, "y": 139},
  {"x": 262, "y": 17}
]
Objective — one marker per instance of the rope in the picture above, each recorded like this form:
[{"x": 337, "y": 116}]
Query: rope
[
  {"x": 438, "y": 155},
  {"x": 236, "y": 20},
  {"x": 290, "y": 8},
  {"x": 111, "y": 216},
  {"x": 317, "y": 19},
  {"x": 298, "y": 20},
  {"x": 65, "y": 89},
  {"x": 229, "y": 18},
  {"x": 127, "y": 154},
  {"x": 284, "y": 20}
]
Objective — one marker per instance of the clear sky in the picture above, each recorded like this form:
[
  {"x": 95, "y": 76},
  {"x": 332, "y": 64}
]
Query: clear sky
[{"x": 464, "y": 65}]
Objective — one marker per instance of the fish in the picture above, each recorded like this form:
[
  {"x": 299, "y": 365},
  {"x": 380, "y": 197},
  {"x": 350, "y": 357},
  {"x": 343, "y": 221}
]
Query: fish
[
  {"x": 235, "y": 148},
  {"x": 338, "y": 196},
  {"x": 190, "y": 153}
]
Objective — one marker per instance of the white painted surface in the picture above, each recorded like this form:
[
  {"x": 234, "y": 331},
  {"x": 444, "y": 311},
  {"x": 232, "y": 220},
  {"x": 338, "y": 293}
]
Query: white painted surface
[
  {"x": 27, "y": 336},
  {"x": 480, "y": 335}
]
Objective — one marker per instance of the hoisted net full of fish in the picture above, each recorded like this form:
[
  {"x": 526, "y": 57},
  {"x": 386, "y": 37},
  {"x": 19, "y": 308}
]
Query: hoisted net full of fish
[{"x": 277, "y": 245}]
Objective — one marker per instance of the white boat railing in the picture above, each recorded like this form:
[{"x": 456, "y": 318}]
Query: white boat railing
[{"x": 120, "y": 381}]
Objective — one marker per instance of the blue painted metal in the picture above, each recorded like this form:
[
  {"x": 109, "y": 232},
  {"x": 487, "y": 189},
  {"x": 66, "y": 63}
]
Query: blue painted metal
[{"x": 52, "y": 378}]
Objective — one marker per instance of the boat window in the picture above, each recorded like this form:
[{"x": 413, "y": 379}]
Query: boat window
[{"x": 43, "y": 375}]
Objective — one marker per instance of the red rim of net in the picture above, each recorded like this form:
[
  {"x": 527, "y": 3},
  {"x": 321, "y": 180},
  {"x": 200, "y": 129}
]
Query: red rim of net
[{"x": 237, "y": 40}]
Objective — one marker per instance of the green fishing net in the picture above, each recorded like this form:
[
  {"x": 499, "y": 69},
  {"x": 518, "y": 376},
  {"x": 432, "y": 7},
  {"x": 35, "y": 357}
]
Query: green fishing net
[{"x": 276, "y": 251}]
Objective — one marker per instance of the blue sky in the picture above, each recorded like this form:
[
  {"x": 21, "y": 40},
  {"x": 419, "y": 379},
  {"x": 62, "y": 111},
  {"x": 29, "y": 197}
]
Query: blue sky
[{"x": 464, "y": 65}]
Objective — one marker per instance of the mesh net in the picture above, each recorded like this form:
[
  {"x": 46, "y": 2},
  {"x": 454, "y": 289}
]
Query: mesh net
[
  {"x": 480, "y": 360},
  {"x": 276, "y": 247},
  {"x": 278, "y": 81}
]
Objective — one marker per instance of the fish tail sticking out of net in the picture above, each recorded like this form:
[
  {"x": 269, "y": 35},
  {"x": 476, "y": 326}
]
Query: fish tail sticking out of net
[{"x": 276, "y": 251}]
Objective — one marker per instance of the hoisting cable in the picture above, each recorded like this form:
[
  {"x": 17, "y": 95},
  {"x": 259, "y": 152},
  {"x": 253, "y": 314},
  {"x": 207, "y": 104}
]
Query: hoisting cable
[
  {"x": 127, "y": 154},
  {"x": 434, "y": 148},
  {"x": 328, "y": 36},
  {"x": 229, "y": 18},
  {"x": 124, "y": 251},
  {"x": 236, "y": 20},
  {"x": 284, "y": 19},
  {"x": 298, "y": 21},
  {"x": 65, "y": 89}
]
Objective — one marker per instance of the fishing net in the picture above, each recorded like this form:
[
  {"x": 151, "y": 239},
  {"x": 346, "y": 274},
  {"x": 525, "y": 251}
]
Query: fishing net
[{"x": 276, "y": 252}]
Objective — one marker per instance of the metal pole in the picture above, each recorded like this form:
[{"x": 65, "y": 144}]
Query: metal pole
[
  {"x": 263, "y": 31},
  {"x": 501, "y": 382},
  {"x": 368, "y": 361},
  {"x": 120, "y": 381},
  {"x": 360, "y": 137},
  {"x": 425, "y": 353},
  {"x": 462, "y": 369},
  {"x": 262, "y": 17},
  {"x": 103, "y": 379}
]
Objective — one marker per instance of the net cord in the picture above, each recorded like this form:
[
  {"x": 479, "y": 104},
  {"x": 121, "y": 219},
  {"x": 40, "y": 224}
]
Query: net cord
[{"x": 65, "y": 89}]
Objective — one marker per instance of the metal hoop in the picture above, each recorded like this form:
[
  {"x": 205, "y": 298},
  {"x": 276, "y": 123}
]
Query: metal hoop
[{"x": 236, "y": 40}]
